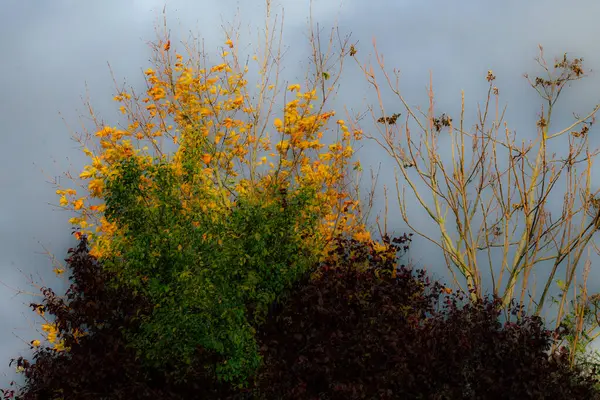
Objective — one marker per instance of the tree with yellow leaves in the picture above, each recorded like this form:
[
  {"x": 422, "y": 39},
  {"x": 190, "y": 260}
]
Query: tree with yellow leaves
[{"x": 203, "y": 232}]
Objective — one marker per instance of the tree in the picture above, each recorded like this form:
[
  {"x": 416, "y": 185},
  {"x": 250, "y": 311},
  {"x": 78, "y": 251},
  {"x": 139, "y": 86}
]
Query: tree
[
  {"x": 214, "y": 233},
  {"x": 487, "y": 194}
]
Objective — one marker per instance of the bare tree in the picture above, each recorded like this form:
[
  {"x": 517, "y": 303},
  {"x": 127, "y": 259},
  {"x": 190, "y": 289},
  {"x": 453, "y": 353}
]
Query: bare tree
[{"x": 488, "y": 194}]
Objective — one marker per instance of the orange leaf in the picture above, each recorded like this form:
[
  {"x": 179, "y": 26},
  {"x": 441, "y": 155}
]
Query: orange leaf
[
  {"x": 206, "y": 158},
  {"x": 167, "y": 45}
]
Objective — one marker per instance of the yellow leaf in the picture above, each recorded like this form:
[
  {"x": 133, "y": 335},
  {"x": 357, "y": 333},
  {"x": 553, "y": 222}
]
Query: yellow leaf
[
  {"x": 185, "y": 79},
  {"x": 63, "y": 201},
  {"x": 104, "y": 132},
  {"x": 99, "y": 207},
  {"x": 78, "y": 204},
  {"x": 278, "y": 123},
  {"x": 296, "y": 87},
  {"x": 378, "y": 247},
  {"x": 88, "y": 172},
  {"x": 60, "y": 346},
  {"x": 95, "y": 187},
  {"x": 35, "y": 343},
  {"x": 218, "y": 68},
  {"x": 362, "y": 236}
]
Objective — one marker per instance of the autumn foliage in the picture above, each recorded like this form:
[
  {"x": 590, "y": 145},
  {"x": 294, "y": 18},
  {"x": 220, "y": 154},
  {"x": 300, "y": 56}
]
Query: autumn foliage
[
  {"x": 239, "y": 264},
  {"x": 216, "y": 231}
]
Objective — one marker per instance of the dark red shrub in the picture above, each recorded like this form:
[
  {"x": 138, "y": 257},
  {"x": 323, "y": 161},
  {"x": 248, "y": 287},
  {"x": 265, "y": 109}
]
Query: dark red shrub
[{"x": 354, "y": 335}]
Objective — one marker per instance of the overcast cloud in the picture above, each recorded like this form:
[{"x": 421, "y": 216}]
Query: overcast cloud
[{"x": 51, "y": 49}]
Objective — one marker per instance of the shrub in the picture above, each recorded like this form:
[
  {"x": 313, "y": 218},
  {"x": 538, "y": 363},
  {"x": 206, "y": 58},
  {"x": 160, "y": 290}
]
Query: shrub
[
  {"x": 355, "y": 334},
  {"x": 359, "y": 328},
  {"x": 99, "y": 364}
]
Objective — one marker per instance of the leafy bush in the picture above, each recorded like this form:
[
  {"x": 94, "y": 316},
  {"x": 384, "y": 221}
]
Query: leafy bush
[
  {"x": 358, "y": 329},
  {"x": 355, "y": 334}
]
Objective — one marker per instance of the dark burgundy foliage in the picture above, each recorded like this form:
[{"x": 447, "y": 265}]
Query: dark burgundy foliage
[
  {"x": 352, "y": 335},
  {"x": 354, "y": 332}
]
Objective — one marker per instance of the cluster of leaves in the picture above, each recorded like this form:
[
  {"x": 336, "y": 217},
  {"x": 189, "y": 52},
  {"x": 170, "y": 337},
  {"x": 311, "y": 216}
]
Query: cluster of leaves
[
  {"x": 226, "y": 145},
  {"x": 368, "y": 334},
  {"x": 99, "y": 363},
  {"x": 212, "y": 282}
]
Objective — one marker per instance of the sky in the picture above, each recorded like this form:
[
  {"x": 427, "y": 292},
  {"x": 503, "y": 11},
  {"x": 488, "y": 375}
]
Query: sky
[{"x": 53, "y": 53}]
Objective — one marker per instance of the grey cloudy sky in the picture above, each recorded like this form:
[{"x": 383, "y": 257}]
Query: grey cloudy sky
[{"x": 51, "y": 49}]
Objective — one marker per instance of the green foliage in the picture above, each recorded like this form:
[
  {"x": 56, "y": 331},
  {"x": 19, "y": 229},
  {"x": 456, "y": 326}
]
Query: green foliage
[
  {"x": 212, "y": 284},
  {"x": 580, "y": 341}
]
